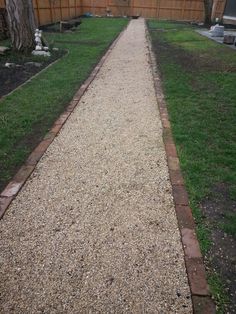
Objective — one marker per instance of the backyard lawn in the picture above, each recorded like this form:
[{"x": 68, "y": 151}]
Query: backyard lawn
[
  {"x": 199, "y": 81},
  {"x": 27, "y": 114}
]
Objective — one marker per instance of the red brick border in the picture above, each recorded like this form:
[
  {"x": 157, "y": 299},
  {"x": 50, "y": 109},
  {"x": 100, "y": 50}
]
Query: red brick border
[
  {"x": 15, "y": 185},
  {"x": 201, "y": 297}
]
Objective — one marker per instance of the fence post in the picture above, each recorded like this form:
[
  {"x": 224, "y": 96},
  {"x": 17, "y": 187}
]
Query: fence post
[
  {"x": 183, "y": 9},
  {"x": 107, "y": 6},
  {"x": 51, "y": 15},
  {"x": 60, "y": 10},
  {"x": 158, "y": 8}
]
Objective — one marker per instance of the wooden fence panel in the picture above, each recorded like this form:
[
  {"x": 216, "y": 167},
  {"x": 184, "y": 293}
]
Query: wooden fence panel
[
  {"x": 98, "y": 7},
  {"x": 144, "y": 8},
  {"x": 49, "y": 11}
]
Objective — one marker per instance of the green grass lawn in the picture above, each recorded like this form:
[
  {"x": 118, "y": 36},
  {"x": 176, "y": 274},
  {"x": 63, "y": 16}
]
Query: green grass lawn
[
  {"x": 199, "y": 81},
  {"x": 27, "y": 114}
]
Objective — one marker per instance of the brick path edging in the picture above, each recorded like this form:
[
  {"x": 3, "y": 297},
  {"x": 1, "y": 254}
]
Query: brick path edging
[
  {"x": 201, "y": 297},
  {"x": 20, "y": 178}
]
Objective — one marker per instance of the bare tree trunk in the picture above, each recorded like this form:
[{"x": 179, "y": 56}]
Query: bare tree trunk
[
  {"x": 21, "y": 24},
  {"x": 214, "y": 7},
  {"x": 208, "y": 9}
]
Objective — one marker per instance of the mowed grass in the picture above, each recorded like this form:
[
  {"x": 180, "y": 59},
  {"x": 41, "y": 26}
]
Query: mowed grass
[
  {"x": 27, "y": 114},
  {"x": 199, "y": 81}
]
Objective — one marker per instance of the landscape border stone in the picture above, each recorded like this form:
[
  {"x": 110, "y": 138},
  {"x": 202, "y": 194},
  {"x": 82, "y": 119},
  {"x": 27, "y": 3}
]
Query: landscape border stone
[
  {"x": 18, "y": 181},
  {"x": 201, "y": 296}
]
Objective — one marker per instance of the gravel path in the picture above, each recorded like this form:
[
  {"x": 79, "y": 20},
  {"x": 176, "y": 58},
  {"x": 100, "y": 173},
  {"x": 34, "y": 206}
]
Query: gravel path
[{"x": 94, "y": 229}]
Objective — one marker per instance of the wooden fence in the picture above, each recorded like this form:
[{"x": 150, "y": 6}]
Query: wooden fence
[{"x": 49, "y": 11}]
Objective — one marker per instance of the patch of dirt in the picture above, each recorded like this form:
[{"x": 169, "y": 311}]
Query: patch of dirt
[
  {"x": 10, "y": 78},
  {"x": 21, "y": 71},
  {"x": 222, "y": 255},
  {"x": 190, "y": 61}
]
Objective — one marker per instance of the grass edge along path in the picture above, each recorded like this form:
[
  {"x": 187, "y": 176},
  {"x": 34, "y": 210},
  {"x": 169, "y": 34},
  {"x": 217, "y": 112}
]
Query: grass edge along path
[
  {"x": 27, "y": 114},
  {"x": 197, "y": 82}
]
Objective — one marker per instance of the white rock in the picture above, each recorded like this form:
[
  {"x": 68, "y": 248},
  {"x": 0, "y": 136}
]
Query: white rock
[
  {"x": 10, "y": 65},
  {"x": 3, "y": 50},
  {"x": 36, "y": 64},
  {"x": 41, "y": 53}
]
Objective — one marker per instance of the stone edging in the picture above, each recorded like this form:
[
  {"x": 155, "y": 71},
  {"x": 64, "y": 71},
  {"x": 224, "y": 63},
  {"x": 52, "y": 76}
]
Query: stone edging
[
  {"x": 20, "y": 178},
  {"x": 201, "y": 297}
]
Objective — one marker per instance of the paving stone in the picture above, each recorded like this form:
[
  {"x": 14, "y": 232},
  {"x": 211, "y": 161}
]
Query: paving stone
[
  {"x": 185, "y": 217},
  {"x": 171, "y": 150},
  {"x": 197, "y": 277},
  {"x": 180, "y": 195},
  {"x": 190, "y": 242},
  {"x": 173, "y": 163},
  {"x": 4, "y": 203},
  {"x": 11, "y": 189},
  {"x": 203, "y": 305},
  {"x": 176, "y": 177}
]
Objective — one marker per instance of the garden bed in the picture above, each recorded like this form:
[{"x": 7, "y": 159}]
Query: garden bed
[{"x": 22, "y": 68}]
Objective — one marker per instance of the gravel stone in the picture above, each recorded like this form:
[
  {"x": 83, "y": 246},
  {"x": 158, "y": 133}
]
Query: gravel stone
[{"x": 94, "y": 228}]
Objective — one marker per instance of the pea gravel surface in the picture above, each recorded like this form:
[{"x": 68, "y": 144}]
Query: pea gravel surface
[{"x": 94, "y": 228}]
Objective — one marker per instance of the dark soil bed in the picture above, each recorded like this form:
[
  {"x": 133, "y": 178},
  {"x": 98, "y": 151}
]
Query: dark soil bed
[
  {"x": 217, "y": 208},
  {"x": 23, "y": 68}
]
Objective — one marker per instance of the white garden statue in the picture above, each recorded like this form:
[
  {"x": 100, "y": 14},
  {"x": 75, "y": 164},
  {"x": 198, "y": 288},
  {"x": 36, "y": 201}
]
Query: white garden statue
[{"x": 40, "y": 50}]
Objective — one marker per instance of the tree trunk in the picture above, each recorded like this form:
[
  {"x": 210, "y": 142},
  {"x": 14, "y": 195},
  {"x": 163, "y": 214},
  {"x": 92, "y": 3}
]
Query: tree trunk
[
  {"x": 21, "y": 24},
  {"x": 208, "y": 9},
  {"x": 214, "y": 7}
]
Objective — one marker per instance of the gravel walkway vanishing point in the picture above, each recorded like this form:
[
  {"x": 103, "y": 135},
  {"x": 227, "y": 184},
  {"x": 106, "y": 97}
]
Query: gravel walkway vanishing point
[{"x": 94, "y": 229}]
